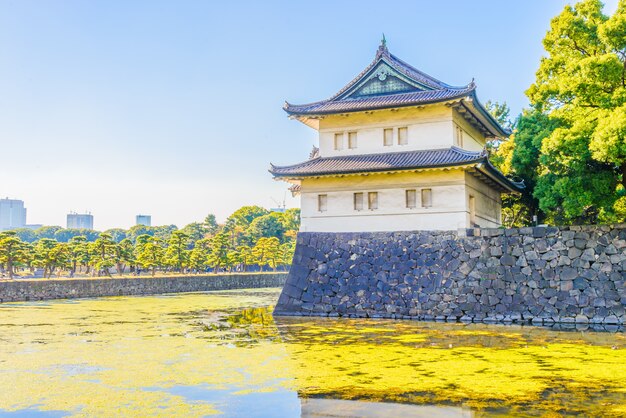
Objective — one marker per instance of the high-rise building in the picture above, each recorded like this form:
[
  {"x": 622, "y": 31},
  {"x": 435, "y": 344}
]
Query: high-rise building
[
  {"x": 145, "y": 220},
  {"x": 80, "y": 220},
  {"x": 12, "y": 214}
]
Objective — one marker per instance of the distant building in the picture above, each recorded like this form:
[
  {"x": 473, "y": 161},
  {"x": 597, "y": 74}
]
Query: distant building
[
  {"x": 80, "y": 221},
  {"x": 145, "y": 220},
  {"x": 12, "y": 214}
]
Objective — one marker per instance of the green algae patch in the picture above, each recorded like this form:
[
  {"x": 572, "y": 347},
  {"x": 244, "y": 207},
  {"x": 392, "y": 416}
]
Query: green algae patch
[{"x": 192, "y": 354}]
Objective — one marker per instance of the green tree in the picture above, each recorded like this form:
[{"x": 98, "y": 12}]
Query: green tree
[
  {"x": 195, "y": 231},
  {"x": 270, "y": 225},
  {"x": 267, "y": 252},
  {"x": 582, "y": 84},
  {"x": 26, "y": 234},
  {"x": 78, "y": 253},
  {"x": 104, "y": 254},
  {"x": 176, "y": 254},
  {"x": 117, "y": 234},
  {"x": 124, "y": 255},
  {"x": 220, "y": 247},
  {"x": 136, "y": 231},
  {"x": 246, "y": 256},
  {"x": 286, "y": 251},
  {"x": 291, "y": 219},
  {"x": 164, "y": 232},
  {"x": 12, "y": 251},
  {"x": 519, "y": 158},
  {"x": 150, "y": 254},
  {"x": 51, "y": 255},
  {"x": 210, "y": 224},
  {"x": 234, "y": 259},
  {"x": 47, "y": 231},
  {"x": 246, "y": 214},
  {"x": 199, "y": 256}
]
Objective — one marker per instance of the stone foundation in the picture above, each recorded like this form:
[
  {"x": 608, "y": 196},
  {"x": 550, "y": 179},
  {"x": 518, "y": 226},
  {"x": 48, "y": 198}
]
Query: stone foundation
[
  {"x": 42, "y": 289},
  {"x": 538, "y": 275}
]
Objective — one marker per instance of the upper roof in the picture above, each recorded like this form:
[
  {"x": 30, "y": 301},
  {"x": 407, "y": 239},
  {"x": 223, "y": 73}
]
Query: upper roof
[
  {"x": 395, "y": 161},
  {"x": 389, "y": 82}
]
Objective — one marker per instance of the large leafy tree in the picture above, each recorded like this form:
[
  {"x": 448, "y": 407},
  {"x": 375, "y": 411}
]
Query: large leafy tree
[
  {"x": 270, "y": 225},
  {"x": 519, "y": 158},
  {"x": 582, "y": 84},
  {"x": 195, "y": 231},
  {"x": 47, "y": 231},
  {"x": 26, "y": 234}
]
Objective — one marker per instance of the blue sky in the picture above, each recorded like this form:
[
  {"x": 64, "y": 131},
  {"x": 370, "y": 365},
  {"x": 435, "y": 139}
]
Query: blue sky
[{"x": 174, "y": 108}]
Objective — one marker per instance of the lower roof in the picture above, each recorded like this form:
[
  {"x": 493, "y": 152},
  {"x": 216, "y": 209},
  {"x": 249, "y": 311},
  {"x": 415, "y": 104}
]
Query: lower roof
[{"x": 394, "y": 161}]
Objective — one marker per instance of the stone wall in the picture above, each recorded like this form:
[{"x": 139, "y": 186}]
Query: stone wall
[
  {"x": 539, "y": 275},
  {"x": 23, "y": 290}
]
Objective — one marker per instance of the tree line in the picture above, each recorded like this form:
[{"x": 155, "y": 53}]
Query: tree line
[
  {"x": 569, "y": 145},
  {"x": 251, "y": 238}
]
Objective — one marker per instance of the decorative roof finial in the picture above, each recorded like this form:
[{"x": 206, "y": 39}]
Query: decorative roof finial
[{"x": 383, "y": 41}]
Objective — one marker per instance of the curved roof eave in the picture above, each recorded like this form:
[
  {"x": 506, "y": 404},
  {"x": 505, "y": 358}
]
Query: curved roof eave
[{"x": 501, "y": 131}]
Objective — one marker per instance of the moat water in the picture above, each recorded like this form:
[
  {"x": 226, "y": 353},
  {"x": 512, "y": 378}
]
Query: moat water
[{"x": 224, "y": 353}]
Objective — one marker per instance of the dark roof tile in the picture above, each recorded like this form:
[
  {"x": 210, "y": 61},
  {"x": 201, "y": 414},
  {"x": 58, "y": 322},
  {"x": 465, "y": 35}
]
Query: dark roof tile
[{"x": 379, "y": 162}]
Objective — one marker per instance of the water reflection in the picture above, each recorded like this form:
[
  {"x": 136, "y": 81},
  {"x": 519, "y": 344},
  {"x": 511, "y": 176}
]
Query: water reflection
[{"x": 224, "y": 353}]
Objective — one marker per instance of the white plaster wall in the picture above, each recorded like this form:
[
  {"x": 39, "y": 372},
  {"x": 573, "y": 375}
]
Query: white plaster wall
[
  {"x": 448, "y": 210},
  {"x": 488, "y": 202},
  {"x": 473, "y": 140},
  {"x": 428, "y": 128},
  {"x": 379, "y": 223}
]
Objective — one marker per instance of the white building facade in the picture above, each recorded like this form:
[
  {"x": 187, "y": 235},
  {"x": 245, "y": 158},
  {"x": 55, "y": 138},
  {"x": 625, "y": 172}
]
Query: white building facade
[
  {"x": 80, "y": 221},
  {"x": 12, "y": 214},
  {"x": 398, "y": 150},
  {"x": 145, "y": 220}
]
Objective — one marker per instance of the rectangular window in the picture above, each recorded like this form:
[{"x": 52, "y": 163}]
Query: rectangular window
[
  {"x": 358, "y": 201},
  {"x": 403, "y": 136},
  {"x": 372, "y": 200},
  {"x": 322, "y": 202},
  {"x": 411, "y": 199},
  {"x": 352, "y": 140},
  {"x": 427, "y": 198},
  {"x": 338, "y": 142},
  {"x": 459, "y": 136},
  {"x": 388, "y": 140}
]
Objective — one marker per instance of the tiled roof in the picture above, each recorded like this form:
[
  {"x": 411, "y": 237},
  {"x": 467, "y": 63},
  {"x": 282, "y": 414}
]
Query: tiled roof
[
  {"x": 417, "y": 88},
  {"x": 430, "y": 90},
  {"x": 395, "y": 161},
  {"x": 379, "y": 102},
  {"x": 379, "y": 162}
]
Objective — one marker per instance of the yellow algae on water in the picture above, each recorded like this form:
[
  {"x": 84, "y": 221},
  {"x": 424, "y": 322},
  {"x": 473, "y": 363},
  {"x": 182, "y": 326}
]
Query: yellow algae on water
[{"x": 193, "y": 354}]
